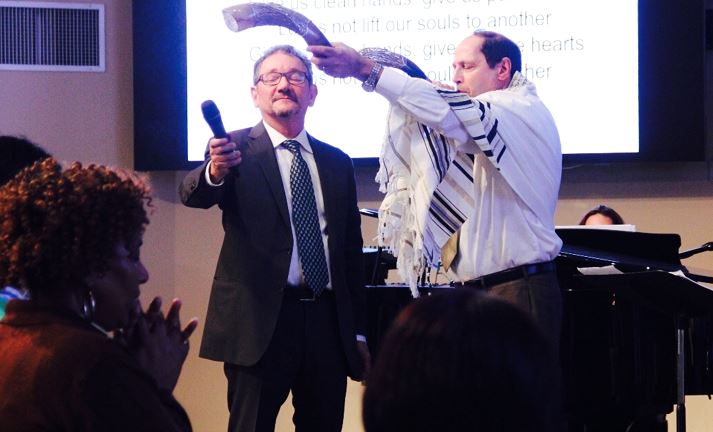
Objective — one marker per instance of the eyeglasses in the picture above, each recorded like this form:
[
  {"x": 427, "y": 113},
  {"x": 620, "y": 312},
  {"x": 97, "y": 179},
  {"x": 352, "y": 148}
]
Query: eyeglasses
[{"x": 293, "y": 77}]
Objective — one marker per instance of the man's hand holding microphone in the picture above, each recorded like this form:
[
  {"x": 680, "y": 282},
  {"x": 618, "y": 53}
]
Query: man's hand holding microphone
[{"x": 224, "y": 154}]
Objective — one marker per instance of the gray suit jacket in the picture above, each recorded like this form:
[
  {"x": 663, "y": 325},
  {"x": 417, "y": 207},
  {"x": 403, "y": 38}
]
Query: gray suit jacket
[{"x": 254, "y": 260}]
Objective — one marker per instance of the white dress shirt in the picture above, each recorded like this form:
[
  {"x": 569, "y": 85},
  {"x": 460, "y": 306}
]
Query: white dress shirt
[
  {"x": 512, "y": 222},
  {"x": 284, "y": 161}
]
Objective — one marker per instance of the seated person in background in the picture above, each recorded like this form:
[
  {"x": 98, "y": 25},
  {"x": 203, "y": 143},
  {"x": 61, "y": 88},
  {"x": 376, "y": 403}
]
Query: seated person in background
[
  {"x": 464, "y": 361},
  {"x": 15, "y": 154},
  {"x": 601, "y": 215},
  {"x": 71, "y": 237}
]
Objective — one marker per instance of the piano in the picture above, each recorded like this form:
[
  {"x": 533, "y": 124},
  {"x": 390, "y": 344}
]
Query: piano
[
  {"x": 635, "y": 337},
  {"x": 625, "y": 315},
  {"x": 385, "y": 300}
]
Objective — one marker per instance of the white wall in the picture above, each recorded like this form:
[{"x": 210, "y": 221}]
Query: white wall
[{"x": 88, "y": 117}]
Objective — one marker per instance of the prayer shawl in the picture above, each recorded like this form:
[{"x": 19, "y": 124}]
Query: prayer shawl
[{"x": 428, "y": 183}]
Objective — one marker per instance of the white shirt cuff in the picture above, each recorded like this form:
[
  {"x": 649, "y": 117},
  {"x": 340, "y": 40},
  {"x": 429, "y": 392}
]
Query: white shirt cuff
[
  {"x": 361, "y": 338},
  {"x": 391, "y": 83},
  {"x": 207, "y": 176}
]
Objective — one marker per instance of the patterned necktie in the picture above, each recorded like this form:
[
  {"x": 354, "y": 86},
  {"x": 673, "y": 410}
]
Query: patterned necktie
[{"x": 306, "y": 222}]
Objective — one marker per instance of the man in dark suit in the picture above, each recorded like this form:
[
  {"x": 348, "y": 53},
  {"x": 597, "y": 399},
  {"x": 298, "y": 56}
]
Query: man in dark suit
[{"x": 276, "y": 326}]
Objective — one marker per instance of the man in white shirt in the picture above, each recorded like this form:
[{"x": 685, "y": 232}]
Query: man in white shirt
[{"x": 505, "y": 238}]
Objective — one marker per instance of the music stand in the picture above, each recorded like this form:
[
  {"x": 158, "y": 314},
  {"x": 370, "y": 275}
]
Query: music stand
[{"x": 674, "y": 295}]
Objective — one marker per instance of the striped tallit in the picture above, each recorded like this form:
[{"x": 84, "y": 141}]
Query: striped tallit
[{"x": 428, "y": 184}]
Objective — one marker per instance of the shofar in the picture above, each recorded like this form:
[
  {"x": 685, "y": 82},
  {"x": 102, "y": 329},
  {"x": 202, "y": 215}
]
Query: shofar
[
  {"x": 392, "y": 59},
  {"x": 249, "y": 15}
]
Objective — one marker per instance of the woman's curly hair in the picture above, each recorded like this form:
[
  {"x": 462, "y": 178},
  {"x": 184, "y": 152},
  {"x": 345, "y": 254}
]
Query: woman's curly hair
[{"x": 57, "y": 226}]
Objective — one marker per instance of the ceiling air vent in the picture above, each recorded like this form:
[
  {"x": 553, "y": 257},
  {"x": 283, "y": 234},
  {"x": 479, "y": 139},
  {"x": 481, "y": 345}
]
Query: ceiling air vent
[{"x": 44, "y": 36}]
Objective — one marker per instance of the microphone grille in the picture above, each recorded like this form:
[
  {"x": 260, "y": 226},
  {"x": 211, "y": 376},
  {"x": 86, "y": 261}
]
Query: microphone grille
[{"x": 210, "y": 109}]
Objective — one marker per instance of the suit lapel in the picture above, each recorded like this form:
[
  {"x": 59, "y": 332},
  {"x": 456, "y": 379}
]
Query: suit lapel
[
  {"x": 264, "y": 153},
  {"x": 321, "y": 157}
]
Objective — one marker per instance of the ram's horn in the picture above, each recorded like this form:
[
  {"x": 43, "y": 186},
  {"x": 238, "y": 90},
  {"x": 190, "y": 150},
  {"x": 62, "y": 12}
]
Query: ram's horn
[
  {"x": 391, "y": 59},
  {"x": 248, "y": 15}
]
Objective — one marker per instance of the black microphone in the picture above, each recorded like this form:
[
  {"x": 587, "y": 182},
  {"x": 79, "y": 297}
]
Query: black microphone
[{"x": 211, "y": 114}]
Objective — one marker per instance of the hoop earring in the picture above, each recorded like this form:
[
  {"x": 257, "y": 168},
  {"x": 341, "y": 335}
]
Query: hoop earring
[{"x": 88, "y": 306}]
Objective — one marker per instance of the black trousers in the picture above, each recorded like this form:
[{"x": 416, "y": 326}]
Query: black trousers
[
  {"x": 538, "y": 294},
  {"x": 305, "y": 356}
]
